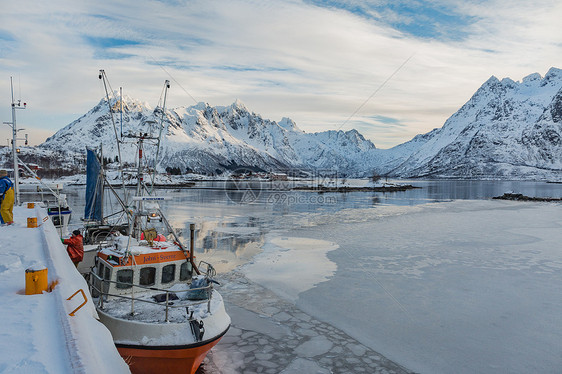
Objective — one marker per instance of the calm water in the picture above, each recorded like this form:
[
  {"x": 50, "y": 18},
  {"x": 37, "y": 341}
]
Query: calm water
[
  {"x": 233, "y": 219},
  {"x": 232, "y": 225}
]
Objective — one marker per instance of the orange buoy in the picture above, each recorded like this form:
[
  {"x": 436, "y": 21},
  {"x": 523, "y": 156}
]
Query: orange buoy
[
  {"x": 32, "y": 222},
  {"x": 30, "y": 205},
  {"x": 36, "y": 281}
]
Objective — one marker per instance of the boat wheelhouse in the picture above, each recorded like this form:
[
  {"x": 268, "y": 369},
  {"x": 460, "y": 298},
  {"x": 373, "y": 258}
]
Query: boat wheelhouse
[{"x": 160, "y": 265}]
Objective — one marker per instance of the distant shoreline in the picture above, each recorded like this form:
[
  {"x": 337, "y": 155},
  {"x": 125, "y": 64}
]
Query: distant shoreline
[
  {"x": 356, "y": 189},
  {"x": 321, "y": 189}
]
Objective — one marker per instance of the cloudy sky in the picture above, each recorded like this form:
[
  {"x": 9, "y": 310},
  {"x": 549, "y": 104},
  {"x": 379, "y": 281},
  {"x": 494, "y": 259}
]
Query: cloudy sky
[{"x": 390, "y": 69}]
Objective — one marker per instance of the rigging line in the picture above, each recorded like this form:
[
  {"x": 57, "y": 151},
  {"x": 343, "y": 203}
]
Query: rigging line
[
  {"x": 174, "y": 79},
  {"x": 160, "y": 104},
  {"x": 376, "y": 91},
  {"x": 112, "y": 94}
]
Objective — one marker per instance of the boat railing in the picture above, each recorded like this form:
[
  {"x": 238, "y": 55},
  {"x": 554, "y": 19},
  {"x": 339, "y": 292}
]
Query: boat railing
[{"x": 208, "y": 290}]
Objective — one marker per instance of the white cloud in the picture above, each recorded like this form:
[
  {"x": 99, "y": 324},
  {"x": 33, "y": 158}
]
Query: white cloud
[{"x": 282, "y": 58}]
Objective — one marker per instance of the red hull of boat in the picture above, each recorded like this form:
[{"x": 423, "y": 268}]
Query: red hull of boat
[{"x": 175, "y": 360}]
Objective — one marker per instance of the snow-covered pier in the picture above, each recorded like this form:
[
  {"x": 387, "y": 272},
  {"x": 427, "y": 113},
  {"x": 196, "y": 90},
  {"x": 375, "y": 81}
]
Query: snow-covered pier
[{"x": 38, "y": 334}]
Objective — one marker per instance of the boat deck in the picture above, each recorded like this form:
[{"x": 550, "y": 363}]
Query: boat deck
[{"x": 145, "y": 309}]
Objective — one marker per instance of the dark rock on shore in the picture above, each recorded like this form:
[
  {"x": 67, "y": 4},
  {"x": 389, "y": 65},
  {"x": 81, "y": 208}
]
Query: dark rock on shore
[{"x": 521, "y": 197}]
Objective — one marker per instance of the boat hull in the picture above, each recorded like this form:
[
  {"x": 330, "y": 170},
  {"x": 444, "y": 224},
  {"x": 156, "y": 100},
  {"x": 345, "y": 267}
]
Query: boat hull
[
  {"x": 165, "y": 347},
  {"x": 146, "y": 360}
]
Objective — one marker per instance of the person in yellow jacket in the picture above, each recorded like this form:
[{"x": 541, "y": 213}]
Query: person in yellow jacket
[{"x": 6, "y": 199}]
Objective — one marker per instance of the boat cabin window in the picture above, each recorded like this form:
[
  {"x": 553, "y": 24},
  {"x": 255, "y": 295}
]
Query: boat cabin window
[
  {"x": 56, "y": 220},
  {"x": 185, "y": 271},
  {"x": 103, "y": 272},
  {"x": 124, "y": 278},
  {"x": 100, "y": 270},
  {"x": 147, "y": 276},
  {"x": 168, "y": 273}
]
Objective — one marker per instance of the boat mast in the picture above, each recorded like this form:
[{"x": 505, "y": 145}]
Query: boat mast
[
  {"x": 102, "y": 175},
  {"x": 14, "y": 142},
  {"x": 166, "y": 87},
  {"x": 141, "y": 186},
  {"x": 121, "y": 119},
  {"x": 103, "y": 77},
  {"x": 138, "y": 223}
]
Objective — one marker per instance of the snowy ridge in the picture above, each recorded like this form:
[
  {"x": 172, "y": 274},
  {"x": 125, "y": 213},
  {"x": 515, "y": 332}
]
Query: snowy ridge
[
  {"x": 207, "y": 139},
  {"x": 507, "y": 129}
]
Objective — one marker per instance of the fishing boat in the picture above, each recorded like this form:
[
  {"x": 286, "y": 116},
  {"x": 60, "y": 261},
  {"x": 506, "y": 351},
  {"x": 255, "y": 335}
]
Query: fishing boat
[{"x": 161, "y": 308}]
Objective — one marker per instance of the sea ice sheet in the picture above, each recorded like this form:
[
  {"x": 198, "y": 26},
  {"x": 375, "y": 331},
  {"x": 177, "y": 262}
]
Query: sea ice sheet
[
  {"x": 291, "y": 265},
  {"x": 462, "y": 286}
]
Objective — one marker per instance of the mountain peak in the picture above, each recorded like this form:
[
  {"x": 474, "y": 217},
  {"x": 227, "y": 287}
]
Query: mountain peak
[
  {"x": 200, "y": 106},
  {"x": 508, "y": 82},
  {"x": 492, "y": 80},
  {"x": 532, "y": 78},
  {"x": 239, "y": 105},
  {"x": 507, "y": 130},
  {"x": 553, "y": 72},
  {"x": 490, "y": 84},
  {"x": 288, "y": 124},
  {"x": 552, "y": 76}
]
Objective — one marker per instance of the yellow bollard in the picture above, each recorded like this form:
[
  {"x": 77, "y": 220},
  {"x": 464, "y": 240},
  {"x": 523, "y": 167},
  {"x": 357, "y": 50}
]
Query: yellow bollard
[
  {"x": 32, "y": 222},
  {"x": 36, "y": 281},
  {"x": 30, "y": 205}
]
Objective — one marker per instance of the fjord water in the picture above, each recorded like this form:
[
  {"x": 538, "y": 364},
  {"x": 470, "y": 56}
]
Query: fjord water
[
  {"x": 439, "y": 279},
  {"x": 232, "y": 220},
  {"x": 227, "y": 204}
]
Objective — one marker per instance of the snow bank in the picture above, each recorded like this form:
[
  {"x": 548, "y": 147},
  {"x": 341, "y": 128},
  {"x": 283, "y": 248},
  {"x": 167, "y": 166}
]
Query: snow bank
[{"x": 38, "y": 335}]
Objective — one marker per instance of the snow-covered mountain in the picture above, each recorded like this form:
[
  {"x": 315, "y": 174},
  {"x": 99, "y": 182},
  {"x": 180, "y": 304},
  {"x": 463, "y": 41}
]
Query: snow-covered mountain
[
  {"x": 207, "y": 139},
  {"x": 507, "y": 130}
]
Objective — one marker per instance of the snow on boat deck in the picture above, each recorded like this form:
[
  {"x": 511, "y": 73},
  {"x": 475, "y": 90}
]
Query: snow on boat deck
[{"x": 37, "y": 333}]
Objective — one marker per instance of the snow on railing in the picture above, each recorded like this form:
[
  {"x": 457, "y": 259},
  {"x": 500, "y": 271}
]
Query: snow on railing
[{"x": 103, "y": 295}]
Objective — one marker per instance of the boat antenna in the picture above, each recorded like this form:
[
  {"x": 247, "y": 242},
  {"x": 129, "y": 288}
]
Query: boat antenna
[{"x": 165, "y": 89}]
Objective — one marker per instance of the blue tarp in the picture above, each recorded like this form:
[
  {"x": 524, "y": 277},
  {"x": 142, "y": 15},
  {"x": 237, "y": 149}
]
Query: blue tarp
[{"x": 94, "y": 187}]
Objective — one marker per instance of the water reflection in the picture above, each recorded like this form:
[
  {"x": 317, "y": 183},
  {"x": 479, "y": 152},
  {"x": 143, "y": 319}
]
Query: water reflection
[{"x": 230, "y": 231}]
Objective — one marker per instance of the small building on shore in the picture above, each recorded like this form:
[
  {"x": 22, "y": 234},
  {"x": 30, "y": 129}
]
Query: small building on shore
[{"x": 278, "y": 176}]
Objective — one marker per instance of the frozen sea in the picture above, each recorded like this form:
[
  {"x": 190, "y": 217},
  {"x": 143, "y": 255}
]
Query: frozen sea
[{"x": 439, "y": 279}]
